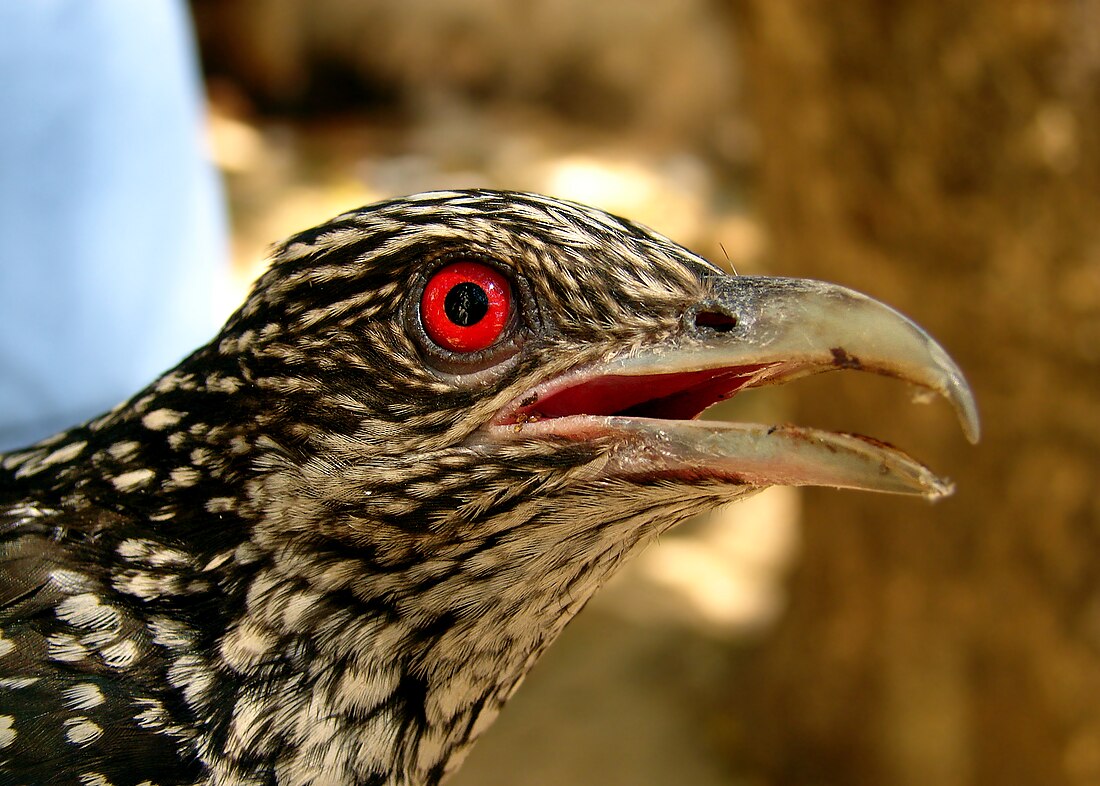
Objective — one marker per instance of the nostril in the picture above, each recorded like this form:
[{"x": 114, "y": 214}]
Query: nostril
[{"x": 715, "y": 321}]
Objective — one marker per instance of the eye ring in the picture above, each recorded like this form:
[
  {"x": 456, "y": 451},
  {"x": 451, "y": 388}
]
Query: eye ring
[
  {"x": 465, "y": 367},
  {"x": 466, "y": 306}
]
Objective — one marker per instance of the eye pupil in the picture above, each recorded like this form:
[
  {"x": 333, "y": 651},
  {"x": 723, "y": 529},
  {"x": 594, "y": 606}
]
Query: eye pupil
[{"x": 466, "y": 304}]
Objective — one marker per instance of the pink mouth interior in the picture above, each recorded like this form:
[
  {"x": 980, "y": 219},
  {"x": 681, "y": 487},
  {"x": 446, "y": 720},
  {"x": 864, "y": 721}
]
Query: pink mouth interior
[{"x": 679, "y": 396}]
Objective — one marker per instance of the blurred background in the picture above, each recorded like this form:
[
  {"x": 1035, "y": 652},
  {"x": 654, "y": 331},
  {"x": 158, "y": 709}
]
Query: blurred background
[{"x": 942, "y": 157}]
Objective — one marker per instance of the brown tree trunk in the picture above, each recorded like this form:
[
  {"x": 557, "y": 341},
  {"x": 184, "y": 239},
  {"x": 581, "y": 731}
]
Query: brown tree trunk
[{"x": 944, "y": 157}]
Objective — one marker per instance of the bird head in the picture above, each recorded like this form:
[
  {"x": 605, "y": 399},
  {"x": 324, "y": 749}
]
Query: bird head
[
  {"x": 456, "y": 354},
  {"x": 432, "y": 431}
]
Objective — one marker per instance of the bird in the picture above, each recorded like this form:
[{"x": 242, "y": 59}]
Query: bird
[{"x": 327, "y": 547}]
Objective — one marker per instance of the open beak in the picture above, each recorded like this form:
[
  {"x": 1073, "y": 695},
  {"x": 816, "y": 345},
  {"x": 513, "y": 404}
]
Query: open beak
[{"x": 756, "y": 331}]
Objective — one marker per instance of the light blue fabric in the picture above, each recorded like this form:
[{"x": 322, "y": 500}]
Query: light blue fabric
[{"x": 112, "y": 229}]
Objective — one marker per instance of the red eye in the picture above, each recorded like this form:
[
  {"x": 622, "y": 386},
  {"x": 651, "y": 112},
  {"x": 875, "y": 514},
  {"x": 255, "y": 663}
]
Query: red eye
[{"x": 465, "y": 306}]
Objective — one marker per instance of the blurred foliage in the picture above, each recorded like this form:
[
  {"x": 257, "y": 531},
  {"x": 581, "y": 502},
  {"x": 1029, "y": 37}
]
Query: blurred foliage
[
  {"x": 662, "y": 67},
  {"x": 945, "y": 157}
]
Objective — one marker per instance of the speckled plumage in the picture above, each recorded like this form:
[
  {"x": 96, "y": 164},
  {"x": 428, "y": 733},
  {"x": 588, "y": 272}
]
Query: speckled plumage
[{"x": 292, "y": 559}]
